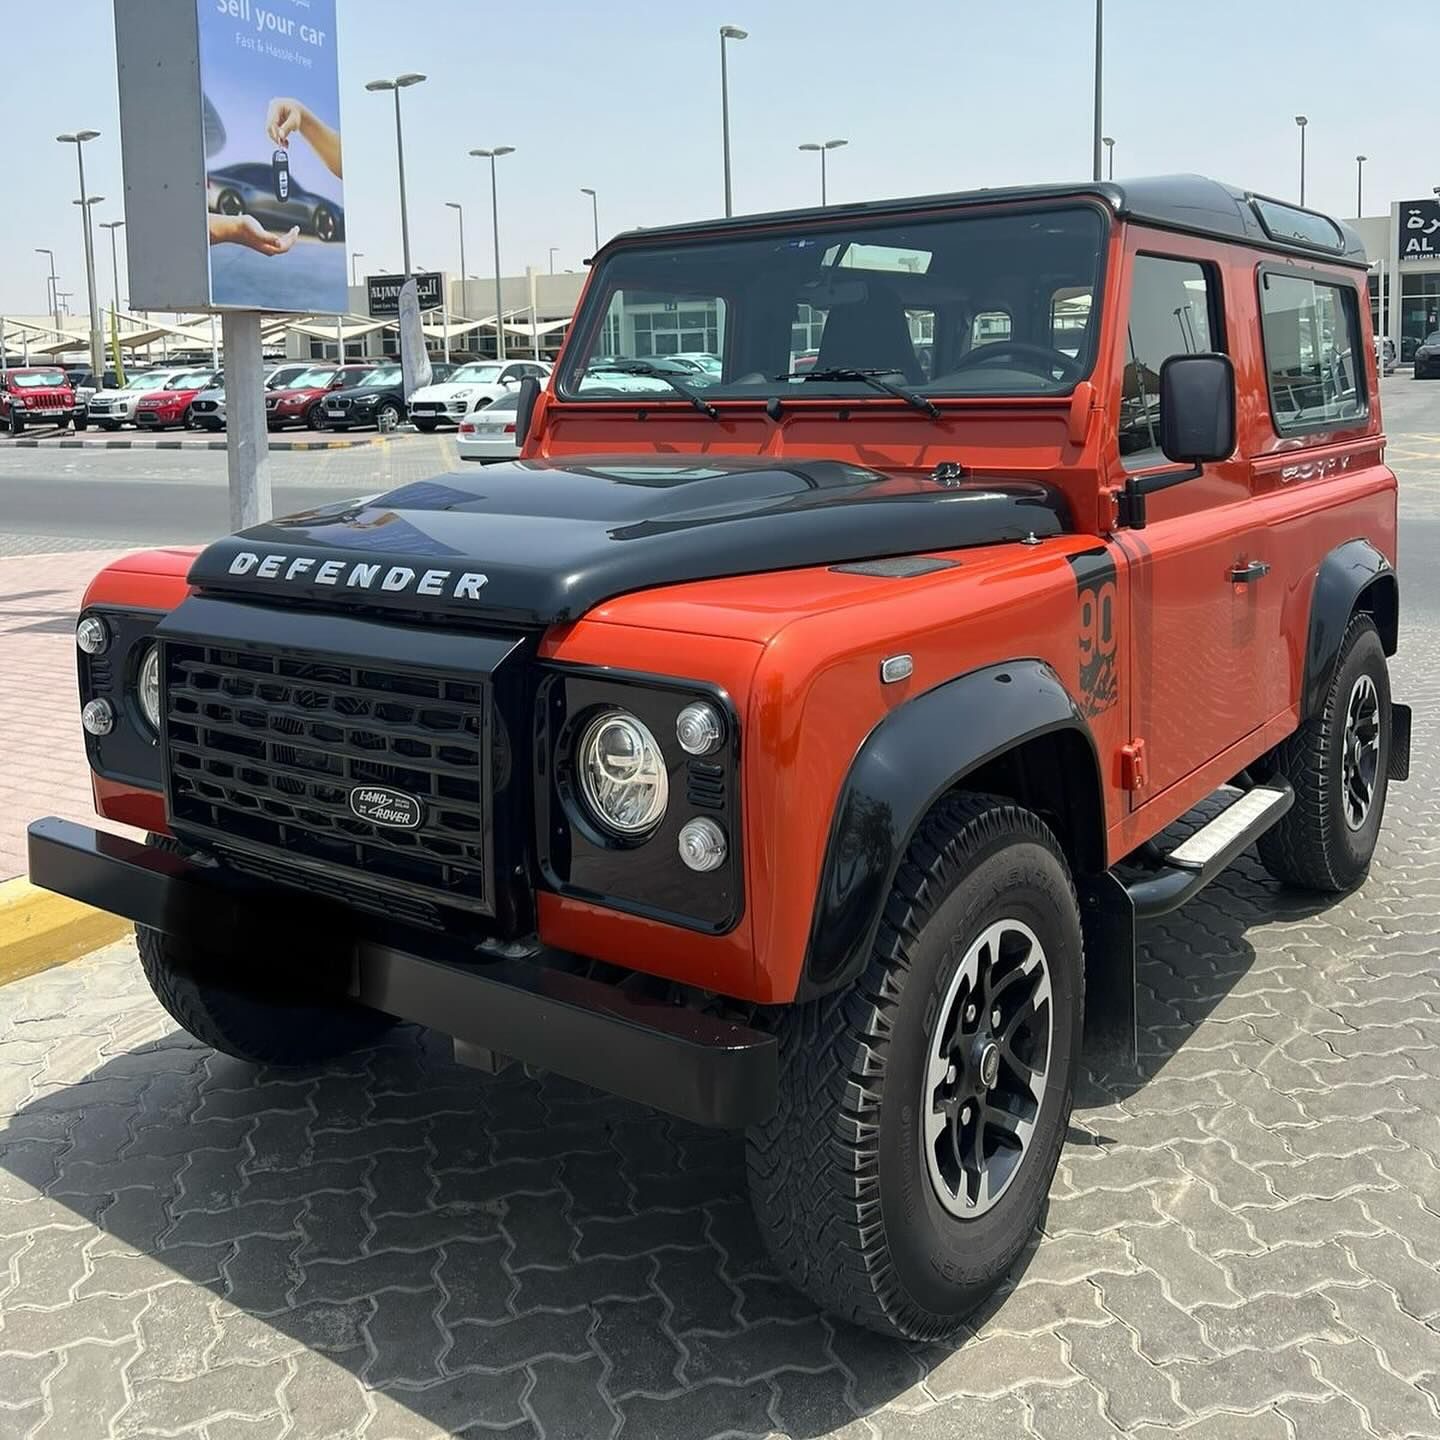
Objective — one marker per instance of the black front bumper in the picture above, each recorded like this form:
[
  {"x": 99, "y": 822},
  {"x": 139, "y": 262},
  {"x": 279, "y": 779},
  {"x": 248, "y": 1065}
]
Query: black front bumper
[{"x": 675, "y": 1058}]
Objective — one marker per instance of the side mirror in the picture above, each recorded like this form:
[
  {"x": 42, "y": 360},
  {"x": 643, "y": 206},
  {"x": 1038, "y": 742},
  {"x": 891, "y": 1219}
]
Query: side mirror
[
  {"x": 525, "y": 408},
  {"x": 1197, "y": 408}
]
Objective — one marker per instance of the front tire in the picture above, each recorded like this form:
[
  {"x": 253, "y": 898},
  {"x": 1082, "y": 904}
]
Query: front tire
[
  {"x": 17, "y": 424},
  {"x": 315, "y": 418},
  {"x": 263, "y": 1024},
  {"x": 1338, "y": 763},
  {"x": 922, "y": 1109}
]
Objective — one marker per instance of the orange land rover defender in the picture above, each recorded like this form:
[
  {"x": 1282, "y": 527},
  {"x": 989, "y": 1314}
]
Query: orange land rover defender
[{"x": 786, "y": 740}]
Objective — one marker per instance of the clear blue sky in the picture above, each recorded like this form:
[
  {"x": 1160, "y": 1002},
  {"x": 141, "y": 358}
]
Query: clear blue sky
[{"x": 932, "y": 95}]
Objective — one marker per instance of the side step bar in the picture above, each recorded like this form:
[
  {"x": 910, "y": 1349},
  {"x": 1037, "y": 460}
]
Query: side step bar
[
  {"x": 1110, "y": 906},
  {"x": 1195, "y": 862}
]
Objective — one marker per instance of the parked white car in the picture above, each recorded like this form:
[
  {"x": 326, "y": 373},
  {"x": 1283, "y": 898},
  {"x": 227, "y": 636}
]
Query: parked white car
[
  {"x": 490, "y": 435},
  {"x": 110, "y": 409},
  {"x": 472, "y": 387}
]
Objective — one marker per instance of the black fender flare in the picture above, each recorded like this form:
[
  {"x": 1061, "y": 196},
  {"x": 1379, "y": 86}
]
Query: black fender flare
[
  {"x": 1352, "y": 576},
  {"x": 908, "y": 761}
]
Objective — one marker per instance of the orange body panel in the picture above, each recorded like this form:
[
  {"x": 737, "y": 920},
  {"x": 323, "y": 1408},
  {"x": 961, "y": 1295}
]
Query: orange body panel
[{"x": 1208, "y": 672}]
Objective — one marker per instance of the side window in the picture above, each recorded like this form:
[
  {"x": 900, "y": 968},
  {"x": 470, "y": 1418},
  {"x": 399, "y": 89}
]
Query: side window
[
  {"x": 1070, "y": 318},
  {"x": 1310, "y": 329},
  {"x": 1173, "y": 304},
  {"x": 988, "y": 326}
]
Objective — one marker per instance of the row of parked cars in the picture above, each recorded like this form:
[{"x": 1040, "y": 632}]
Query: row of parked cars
[{"x": 297, "y": 394}]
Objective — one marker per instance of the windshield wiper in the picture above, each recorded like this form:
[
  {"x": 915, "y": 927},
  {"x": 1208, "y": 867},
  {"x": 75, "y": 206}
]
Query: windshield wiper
[
  {"x": 873, "y": 378},
  {"x": 651, "y": 372}
]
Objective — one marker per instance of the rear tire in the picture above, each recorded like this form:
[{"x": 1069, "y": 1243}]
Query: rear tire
[
  {"x": 868, "y": 1212},
  {"x": 259, "y": 1025},
  {"x": 1338, "y": 763}
]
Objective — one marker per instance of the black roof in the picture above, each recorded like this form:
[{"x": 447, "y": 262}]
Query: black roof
[{"x": 1192, "y": 204}]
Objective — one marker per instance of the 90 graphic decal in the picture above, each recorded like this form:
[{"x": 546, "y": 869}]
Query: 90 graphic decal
[{"x": 1097, "y": 596}]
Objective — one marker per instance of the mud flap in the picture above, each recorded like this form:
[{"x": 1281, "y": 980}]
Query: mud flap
[{"x": 1107, "y": 917}]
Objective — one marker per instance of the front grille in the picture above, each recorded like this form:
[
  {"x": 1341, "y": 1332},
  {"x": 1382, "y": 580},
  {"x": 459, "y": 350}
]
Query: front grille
[{"x": 263, "y": 751}]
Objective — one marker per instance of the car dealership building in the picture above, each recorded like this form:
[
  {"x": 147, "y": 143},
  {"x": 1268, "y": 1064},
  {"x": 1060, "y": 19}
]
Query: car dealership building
[{"x": 1404, "y": 248}]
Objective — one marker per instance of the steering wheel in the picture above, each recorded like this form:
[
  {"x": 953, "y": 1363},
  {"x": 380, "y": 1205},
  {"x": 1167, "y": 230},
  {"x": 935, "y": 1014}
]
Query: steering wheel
[{"x": 988, "y": 354}]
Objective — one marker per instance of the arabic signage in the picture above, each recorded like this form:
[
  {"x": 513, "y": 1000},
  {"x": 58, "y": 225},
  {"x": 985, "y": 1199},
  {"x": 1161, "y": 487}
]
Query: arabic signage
[
  {"x": 230, "y": 138},
  {"x": 382, "y": 293},
  {"x": 1419, "y": 230}
]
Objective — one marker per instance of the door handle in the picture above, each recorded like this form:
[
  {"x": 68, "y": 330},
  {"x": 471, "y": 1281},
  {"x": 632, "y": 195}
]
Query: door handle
[{"x": 1246, "y": 574}]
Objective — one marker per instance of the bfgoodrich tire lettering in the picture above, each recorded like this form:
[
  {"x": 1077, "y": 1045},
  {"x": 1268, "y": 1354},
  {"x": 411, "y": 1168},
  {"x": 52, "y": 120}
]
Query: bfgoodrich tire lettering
[
  {"x": 1315, "y": 846},
  {"x": 839, "y": 1179}
]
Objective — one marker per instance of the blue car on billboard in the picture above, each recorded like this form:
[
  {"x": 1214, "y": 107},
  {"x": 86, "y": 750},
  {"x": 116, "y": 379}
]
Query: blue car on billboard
[{"x": 249, "y": 189}]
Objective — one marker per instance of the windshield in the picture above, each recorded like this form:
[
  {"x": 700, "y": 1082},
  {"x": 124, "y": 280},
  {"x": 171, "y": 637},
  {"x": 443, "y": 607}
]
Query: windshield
[
  {"x": 195, "y": 380},
  {"x": 147, "y": 382},
  {"x": 475, "y": 375},
  {"x": 982, "y": 304},
  {"x": 39, "y": 380},
  {"x": 379, "y": 379},
  {"x": 312, "y": 380}
]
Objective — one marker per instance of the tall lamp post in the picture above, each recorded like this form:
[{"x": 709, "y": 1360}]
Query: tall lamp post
[
  {"x": 553, "y": 249},
  {"x": 355, "y": 257},
  {"x": 1099, "y": 77},
  {"x": 822, "y": 146},
  {"x": 399, "y": 83},
  {"x": 492, "y": 156},
  {"x": 727, "y": 32},
  {"x": 52, "y": 289},
  {"x": 594, "y": 212},
  {"x": 459, "y": 210},
  {"x": 1108, "y": 141},
  {"x": 1302, "y": 121},
  {"x": 113, "y": 226},
  {"x": 97, "y": 345},
  {"x": 1360, "y": 185}
]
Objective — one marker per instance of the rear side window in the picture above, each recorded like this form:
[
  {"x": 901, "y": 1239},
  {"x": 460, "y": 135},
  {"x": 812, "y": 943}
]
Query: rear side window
[{"x": 1311, "y": 329}]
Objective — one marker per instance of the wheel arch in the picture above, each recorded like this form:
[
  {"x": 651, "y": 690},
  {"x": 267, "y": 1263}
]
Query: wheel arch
[
  {"x": 1010, "y": 729},
  {"x": 1353, "y": 577}
]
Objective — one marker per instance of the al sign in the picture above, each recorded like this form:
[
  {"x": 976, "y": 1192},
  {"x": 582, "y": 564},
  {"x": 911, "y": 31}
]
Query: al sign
[
  {"x": 230, "y": 137},
  {"x": 1420, "y": 230},
  {"x": 382, "y": 293}
]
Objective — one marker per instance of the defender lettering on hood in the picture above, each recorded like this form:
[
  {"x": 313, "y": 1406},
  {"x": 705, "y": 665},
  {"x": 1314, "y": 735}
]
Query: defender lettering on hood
[
  {"x": 535, "y": 543},
  {"x": 360, "y": 575}
]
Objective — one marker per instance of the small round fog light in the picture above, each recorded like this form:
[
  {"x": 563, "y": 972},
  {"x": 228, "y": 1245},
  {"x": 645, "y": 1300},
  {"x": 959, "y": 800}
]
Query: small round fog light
[
  {"x": 92, "y": 635},
  {"x": 699, "y": 729},
  {"x": 702, "y": 844},
  {"x": 98, "y": 717}
]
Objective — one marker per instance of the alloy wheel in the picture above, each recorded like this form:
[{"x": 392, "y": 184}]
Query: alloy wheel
[
  {"x": 988, "y": 1068},
  {"x": 1360, "y": 751}
]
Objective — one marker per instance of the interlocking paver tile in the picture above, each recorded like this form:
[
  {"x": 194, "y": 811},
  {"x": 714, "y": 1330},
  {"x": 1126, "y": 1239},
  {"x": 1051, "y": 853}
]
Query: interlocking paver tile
[
  {"x": 1164, "y": 1330},
  {"x": 1391, "y": 1405}
]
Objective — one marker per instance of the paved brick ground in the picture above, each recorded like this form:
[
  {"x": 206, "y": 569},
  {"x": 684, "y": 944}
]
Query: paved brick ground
[
  {"x": 44, "y": 771},
  {"x": 1243, "y": 1241}
]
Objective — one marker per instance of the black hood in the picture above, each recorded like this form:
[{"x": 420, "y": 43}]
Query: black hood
[{"x": 536, "y": 542}]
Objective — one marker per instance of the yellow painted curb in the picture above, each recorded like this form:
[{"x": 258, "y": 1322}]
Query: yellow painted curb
[{"x": 39, "y": 929}]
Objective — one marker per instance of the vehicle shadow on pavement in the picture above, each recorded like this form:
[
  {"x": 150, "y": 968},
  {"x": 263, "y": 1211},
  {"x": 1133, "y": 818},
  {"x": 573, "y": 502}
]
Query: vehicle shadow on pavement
[{"x": 485, "y": 1250}]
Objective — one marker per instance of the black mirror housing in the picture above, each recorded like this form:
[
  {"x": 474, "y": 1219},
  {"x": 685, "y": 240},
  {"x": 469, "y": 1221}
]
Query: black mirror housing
[
  {"x": 1197, "y": 408},
  {"x": 525, "y": 408}
]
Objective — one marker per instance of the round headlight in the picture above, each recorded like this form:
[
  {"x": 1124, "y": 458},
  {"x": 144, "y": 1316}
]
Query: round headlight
[
  {"x": 699, "y": 729},
  {"x": 92, "y": 635},
  {"x": 622, "y": 773},
  {"x": 149, "y": 686}
]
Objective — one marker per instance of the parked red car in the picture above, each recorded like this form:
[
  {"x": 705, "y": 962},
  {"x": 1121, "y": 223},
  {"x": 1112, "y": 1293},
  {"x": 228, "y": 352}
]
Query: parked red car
[
  {"x": 170, "y": 406},
  {"x": 299, "y": 405},
  {"x": 35, "y": 397}
]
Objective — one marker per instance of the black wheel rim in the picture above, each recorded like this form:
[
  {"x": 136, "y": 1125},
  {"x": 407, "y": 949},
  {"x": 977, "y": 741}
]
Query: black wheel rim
[
  {"x": 1360, "y": 752},
  {"x": 325, "y": 225},
  {"x": 988, "y": 1069}
]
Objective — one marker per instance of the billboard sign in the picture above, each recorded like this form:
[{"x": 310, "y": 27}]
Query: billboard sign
[
  {"x": 382, "y": 293},
  {"x": 230, "y": 135},
  {"x": 1420, "y": 230}
]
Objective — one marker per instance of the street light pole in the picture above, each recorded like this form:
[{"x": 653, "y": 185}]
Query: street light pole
[
  {"x": 1360, "y": 185},
  {"x": 492, "y": 156},
  {"x": 399, "y": 83},
  {"x": 1303, "y": 123},
  {"x": 459, "y": 210},
  {"x": 1099, "y": 77},
  {"x": 727, "y": 32},
  {"x": 97, "y": 345},
  {"x": 52, "y": 289},
  {"x": 594, "y": 212},
  {"x": 553, "y": 249},
  {"x": 355, "y": 256},
  {"x": 1109, "y": 144},
  {"x": 112, "y": 226},
  {"x": 823, "y": 146}
]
